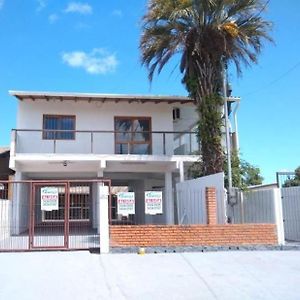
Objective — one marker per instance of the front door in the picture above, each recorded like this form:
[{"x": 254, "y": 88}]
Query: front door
[{"x": 49, "y": 218}]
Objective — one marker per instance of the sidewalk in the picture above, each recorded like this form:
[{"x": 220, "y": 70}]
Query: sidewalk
[{"x": 214, "y": 275}]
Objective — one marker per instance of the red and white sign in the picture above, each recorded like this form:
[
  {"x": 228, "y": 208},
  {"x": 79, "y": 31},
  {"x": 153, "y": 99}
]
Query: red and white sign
[
  {"x": 49, "y": 198},
  {"x": 126, "y": 203},
  {"x": 153, "y": 203}
]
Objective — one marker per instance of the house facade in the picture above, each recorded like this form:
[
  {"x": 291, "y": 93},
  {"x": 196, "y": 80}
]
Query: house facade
[
  {"x": 137, "y": 143},
  {"x": 94, "y": 170}
]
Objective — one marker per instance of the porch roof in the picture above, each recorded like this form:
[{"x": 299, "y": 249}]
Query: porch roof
[{"x": 89, "y": 97}]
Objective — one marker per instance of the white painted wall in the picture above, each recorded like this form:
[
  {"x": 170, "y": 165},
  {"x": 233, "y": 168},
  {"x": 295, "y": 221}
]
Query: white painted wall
[
  {"x": 191, "y": 201},
  {"x": 186, "y": 143},
  {"x": 89, "y": 116},
  {"x": 188, "y": 118}
]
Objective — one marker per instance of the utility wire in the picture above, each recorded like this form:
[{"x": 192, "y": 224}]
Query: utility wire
[{"x": 275, "y": 80}]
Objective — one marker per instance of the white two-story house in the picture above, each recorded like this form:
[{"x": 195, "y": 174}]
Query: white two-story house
[
  {"x": 77, "y": 142},
  {"x": 140, "y": 143}
]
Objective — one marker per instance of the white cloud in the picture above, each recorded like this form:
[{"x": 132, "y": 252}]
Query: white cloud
[
  {"x": 53, "y": 18},
  {"x": 79, "y": 7},
  {"x": 99, "y": 61},
  {"x": 41, "y": 5},
  {"x": 1, "y": 3},
  {"x": 117, "y": 13}
]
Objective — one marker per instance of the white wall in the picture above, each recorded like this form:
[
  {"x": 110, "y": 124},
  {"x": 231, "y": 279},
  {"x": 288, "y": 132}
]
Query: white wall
[
  {"x": 186, "y": 143},
  {"x": 188, "y": 118},
  {"x": 89, "y": 116}
]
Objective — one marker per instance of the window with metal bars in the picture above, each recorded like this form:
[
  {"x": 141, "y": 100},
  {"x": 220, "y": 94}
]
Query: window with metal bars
[{"x": 64, "y": 124}]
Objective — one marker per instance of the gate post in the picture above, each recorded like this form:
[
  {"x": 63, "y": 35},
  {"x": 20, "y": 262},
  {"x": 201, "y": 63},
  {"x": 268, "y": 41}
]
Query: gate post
[
  {"x": 103, "y": 218},
  {"x": 279, "y": 216}
]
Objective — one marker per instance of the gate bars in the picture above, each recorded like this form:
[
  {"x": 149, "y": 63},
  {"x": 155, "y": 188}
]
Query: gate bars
[{"x": 73, "y": 225}]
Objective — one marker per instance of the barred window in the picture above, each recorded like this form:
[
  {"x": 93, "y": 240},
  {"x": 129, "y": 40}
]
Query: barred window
[{"x": 64, "y": 124}]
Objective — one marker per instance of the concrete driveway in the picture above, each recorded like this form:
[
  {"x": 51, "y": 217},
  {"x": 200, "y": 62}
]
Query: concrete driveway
[{"x": 215, "y": 275}]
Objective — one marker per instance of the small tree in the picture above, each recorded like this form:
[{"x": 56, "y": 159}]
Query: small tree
[
  {"x": 295, "y": 181},
  {"x": 244, "y": 174}
]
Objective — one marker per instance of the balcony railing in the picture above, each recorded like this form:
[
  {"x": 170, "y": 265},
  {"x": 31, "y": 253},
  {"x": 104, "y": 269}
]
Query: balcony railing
[{"x": 104, "y": 142}]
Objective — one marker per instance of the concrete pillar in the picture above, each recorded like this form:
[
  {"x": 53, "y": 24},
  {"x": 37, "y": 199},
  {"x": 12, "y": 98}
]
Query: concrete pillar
[
  {"x": 15, "y": 219},
  {"x": 169, "y": 206},
  {"x": 103, "y": 219},
  {"x": 279, "y": 216},
  {"x": 211, "y": 205},
  {"x": 181, "y": 171}
]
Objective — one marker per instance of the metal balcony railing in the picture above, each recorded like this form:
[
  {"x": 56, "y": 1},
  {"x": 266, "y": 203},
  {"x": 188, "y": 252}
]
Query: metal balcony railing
[{"x": 104, "y": 142}]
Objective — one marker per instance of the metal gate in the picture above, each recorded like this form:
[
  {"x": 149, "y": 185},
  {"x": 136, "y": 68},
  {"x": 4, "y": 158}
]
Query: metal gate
[
  {"x": 52, "y": 214},
  {"x": 291, "y": 213}
]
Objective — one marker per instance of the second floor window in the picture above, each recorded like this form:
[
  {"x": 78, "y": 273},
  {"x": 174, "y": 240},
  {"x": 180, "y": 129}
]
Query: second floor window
[
  {"x": 133, "y": 135},
  {"x": 64, "y": 124}
]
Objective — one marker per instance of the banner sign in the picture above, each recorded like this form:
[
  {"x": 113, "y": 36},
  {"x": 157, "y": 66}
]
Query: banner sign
[
  {"x": 153, "y": 203},
  {"x": 49, "y": 198},
  {"x": 126, "y": 203}
]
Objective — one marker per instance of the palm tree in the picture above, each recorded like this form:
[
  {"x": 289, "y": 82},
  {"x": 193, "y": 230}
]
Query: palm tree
[{"x": 208, "y": 34}]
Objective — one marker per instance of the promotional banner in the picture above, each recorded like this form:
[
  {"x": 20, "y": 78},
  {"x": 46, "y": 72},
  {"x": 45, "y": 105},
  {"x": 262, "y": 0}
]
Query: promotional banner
[
  {"x": 153, "y": 203},
  {"x": 49, "y": 198},
  {"x": 126, "y": 203}
]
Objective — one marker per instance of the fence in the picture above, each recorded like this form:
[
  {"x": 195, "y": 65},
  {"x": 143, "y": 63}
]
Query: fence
[
  {"x": 191, "y": 199},
  {"x": 291, "y": 212},
  {"x": 104, "y": 142},
  {"x": 258, "y": 206},
  {"x": 49, "y": 214}
]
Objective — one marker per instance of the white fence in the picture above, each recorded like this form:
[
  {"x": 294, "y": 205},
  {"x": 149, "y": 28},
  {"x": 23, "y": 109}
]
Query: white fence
[
  {"x": 291, "y": 212},
  {"x": 5, "y": 210},
  {"x": 191, "y": 203},
  {"x": 254, "y": 207}
]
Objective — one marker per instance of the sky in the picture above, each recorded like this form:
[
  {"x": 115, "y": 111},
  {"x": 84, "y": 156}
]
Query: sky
[{"x": 92, "y": 46}]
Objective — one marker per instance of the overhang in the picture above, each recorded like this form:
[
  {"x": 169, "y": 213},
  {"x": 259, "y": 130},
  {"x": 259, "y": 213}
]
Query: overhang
[{"x": 92, "y": 97}]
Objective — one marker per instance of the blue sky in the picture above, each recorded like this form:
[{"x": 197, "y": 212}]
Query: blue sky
[{"x": 92, "y": 46}]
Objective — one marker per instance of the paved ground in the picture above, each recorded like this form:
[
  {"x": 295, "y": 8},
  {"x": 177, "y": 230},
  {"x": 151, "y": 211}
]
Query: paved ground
[{"x": 215, "y": 275}]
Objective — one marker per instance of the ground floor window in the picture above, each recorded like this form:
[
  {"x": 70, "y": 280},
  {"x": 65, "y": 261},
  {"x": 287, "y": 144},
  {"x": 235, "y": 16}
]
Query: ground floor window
[{"x": 79, "y": 205}]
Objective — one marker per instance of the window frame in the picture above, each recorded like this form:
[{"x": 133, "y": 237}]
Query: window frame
[
  {"x": 132, "y": 142},
  {"x": 73, "y": 117}
]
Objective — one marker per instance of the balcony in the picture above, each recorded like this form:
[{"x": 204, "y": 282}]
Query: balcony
[{"x": 27, "y": 141}]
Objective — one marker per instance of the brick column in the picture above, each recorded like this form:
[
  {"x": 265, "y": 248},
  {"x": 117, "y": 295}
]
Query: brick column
[{"x": 211, "y": 205}]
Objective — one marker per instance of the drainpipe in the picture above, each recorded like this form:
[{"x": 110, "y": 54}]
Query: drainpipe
[
  {"x": 229, "y": 172},
  {"x": 236, "y": 125}
]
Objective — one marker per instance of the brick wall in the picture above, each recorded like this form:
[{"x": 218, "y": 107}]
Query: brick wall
[
  {"x": 193, "y": 235},
  {"x": 211, "y": 205}
]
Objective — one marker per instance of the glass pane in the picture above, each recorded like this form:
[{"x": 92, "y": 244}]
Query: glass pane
[
  {"x": 66, "y": 123},
  {"x": 50, "y": 122},
  {"x": 121, "y": 148},
  {"x": 75, "y": 213},
  {"x": 123, "y": 137},
  {"x": 142, "y": 128},
  {"x": 59, "y": 123},
  {"x": 125, "y": 127},
  {"x": 140, "y": 149},
  {"x": 85, "y": 213}
]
